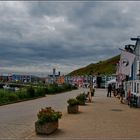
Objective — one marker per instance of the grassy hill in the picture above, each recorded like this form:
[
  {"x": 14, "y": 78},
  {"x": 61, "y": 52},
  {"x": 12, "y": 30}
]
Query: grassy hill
[{"x": 106, "y": 67}]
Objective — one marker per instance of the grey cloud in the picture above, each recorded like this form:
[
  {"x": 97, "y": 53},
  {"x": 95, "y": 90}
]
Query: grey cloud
[{"x": 64, "y": 34}]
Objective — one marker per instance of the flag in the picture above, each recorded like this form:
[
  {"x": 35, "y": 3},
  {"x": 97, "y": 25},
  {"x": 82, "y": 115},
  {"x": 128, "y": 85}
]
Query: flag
[{"x": 126, "y": 62}]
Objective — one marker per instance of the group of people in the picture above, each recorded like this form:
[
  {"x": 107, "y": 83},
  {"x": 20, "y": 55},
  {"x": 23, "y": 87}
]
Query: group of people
[
  {"x": 119, "y": 91},
  {"x": 110, "y": 89}
]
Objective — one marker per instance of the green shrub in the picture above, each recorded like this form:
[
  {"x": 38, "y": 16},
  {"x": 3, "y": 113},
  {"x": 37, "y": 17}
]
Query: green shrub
[
  {"x": 40, "y": 92},
  {"x": 67, "y": 86},
  {"x": 54, "y": 88},
  {"x": 81, "y": 98},
  {"x": 3, "y": 96},
  {"x": 31, "y": 91},
  {"x": 12, "y": 97},
  {"x": 72, "y": 102},
  {"x": 51, "y": 90},
  {"x": 7, "y": 96},
  {"x": 22, "y": 94}
]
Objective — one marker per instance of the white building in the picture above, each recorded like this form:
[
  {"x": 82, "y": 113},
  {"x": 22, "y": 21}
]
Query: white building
[{"x": 132, "y": 85}]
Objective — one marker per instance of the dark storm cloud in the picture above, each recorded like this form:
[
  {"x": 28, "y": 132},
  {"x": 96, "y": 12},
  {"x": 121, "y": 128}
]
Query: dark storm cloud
[{"x": 37, "y": 36}]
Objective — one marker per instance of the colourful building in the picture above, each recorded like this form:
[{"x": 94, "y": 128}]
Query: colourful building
[{"x": 60, "y": 80}]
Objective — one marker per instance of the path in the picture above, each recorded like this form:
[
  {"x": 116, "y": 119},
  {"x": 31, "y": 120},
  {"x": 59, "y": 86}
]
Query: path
[
  {"x": 17, "y": 120},
  {"x": 105, "y": 118}
]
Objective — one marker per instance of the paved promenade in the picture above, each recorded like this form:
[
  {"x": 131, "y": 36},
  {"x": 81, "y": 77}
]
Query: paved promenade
[
  {"x": 105, "y": 118},
  {"x": 17, "y": 120}
]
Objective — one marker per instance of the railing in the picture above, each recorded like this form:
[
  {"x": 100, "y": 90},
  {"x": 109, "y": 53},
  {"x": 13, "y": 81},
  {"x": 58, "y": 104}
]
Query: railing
[
  {"x": 132, "y": 89},
  {"x": 133, "y": 101},
  {"x": 132, "y": 86}
]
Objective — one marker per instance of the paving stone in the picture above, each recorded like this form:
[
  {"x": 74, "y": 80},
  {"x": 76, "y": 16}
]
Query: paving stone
[{"x": 103, "y": 119}]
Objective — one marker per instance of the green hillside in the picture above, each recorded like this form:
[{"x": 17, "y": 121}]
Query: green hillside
[{"x": 106, "y": 67}]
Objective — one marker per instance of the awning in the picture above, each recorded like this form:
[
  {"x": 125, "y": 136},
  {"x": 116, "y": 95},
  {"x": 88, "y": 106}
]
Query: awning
[{"x": 111, "y": 81}]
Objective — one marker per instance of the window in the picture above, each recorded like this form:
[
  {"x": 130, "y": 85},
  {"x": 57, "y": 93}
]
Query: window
[{"x": 137, "y": 87}]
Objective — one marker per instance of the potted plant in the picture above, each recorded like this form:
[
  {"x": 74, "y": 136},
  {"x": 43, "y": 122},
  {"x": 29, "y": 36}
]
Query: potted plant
[
  {"x": 72, "y": 106},
  {"x": 47, "y": 121},
  {"x": 81, "y": 98}
]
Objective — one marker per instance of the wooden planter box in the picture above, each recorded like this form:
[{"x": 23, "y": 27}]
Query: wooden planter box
[
  {"x": 72, "y": 109},
  {"x": 46, "y": 128}
]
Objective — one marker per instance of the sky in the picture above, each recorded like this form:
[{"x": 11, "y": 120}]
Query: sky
[{"x": 37, "y": 36}]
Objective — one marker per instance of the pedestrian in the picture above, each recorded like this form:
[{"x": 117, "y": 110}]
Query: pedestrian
[
  {"x": 122, "y": 93},
  {"x": 91, "y": 92},
  {"x": 109, "y": 89},
  {"x": 114, "y": 89},
  {"x": 89, "y": 97},
  {"x": 129, "y": 97}
]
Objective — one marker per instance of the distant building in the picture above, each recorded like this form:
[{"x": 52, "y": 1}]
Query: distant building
[
  {"x": 102, "y": 80},
  {"x": 80, "y": 81},
  {"x": 60, "y": 80},
  {"x": 18, "y": 78},
  {"x": 52, "y": 78}
]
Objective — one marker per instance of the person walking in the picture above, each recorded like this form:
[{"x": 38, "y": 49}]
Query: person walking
[
  {"x": 89, "y": 97},
  {"x": 122, "y": 93},
  {"x": 109, "y": 89},
  {"x": 129, "y": 97},
  {"x": 91, "y": 92}
]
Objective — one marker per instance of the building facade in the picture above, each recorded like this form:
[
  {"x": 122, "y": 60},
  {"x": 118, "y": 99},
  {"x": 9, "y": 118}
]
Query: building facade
[{"x": 132, "y": 82}]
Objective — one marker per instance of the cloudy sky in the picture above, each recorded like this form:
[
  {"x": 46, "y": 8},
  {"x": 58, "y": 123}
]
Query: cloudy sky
[{"x": 36, "y": 37}]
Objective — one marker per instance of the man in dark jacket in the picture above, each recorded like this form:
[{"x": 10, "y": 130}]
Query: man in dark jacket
[{"x": 109, "y": 89}]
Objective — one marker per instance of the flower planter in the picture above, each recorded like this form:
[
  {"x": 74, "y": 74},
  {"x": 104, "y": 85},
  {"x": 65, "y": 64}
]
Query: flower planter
[
  {"x": 82, "y": 103},
  {"x": 81, "y": 98},
  {"x": 72, "y": 109},
  {"x": 46, "y": 128}
]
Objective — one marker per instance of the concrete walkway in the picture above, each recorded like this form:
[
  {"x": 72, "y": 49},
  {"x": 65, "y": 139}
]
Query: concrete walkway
[
  {"x": 105, "y": 118},
  {"x": 17, "y": 120}
]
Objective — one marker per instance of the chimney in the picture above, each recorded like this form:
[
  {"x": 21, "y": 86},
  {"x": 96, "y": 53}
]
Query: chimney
[
  {"x": 59, "y": 73},
  {"x": 54, "y": 75},
  {"x": 53, "y": 72}
]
